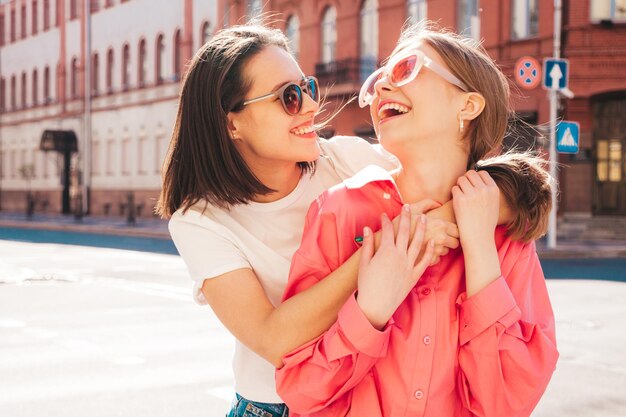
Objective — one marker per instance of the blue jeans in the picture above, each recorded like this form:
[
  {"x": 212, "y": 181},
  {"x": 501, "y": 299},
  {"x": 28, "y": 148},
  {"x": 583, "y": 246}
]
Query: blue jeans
[{"x": 245, "y": 408}]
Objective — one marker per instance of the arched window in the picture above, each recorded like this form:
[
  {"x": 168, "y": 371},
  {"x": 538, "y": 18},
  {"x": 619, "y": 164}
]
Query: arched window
[
  {"x": 13, "y": 92},
  {"x": 141, "y": 71},
  {"x": 416, "y": 10},
  {"x": 176, "y": 55},
  {"x": 74, "y": 79},
  {"x": 369, "y": 38},
  {"x": 160, "y": 59},
  {"x": 293, "y": 34},
  {"x": 329, "y": 35},
  {"x": 35, "y": 87},
  {"x": 23, "y": 95},
  {"x": 46, "y": 14},
  {"x": 73, "y": 9},
  {"x": 34, "y": 16},
  {"x": 205, "y": 33},
  {"x": 125, "y": 67},
  {"x": 109, "y": 71},
  {"x": 46, "y": 86},
  {"x": 2, "y": 95},
  {"x": 95, "y": 74}
]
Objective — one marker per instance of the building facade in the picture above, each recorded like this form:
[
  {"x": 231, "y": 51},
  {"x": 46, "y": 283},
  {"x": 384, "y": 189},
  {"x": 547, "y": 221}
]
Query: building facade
[
  {"x": 342, "y": 41},
  {"x": 140, "y": 47},
  {"x": 138, "y": 53}
]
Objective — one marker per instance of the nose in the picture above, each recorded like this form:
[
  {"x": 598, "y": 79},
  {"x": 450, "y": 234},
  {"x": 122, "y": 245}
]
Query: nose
[
  {"x": 382, "y": 84},
  {"x": 308, "y": 104}
]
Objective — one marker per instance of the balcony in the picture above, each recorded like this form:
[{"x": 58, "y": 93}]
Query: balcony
[{"x": 346, "y": 75}]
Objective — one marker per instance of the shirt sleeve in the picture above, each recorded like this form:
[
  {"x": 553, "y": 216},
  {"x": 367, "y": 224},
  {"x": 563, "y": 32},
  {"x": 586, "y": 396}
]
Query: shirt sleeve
[
  {"x": 318, "y": 373},
  {"x": 207, "y": 251},
  {"x": 507, "y": 340}
]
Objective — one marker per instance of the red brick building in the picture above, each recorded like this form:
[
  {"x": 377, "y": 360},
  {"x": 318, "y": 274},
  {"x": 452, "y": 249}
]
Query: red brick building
[{"x": 341, "y": 41}]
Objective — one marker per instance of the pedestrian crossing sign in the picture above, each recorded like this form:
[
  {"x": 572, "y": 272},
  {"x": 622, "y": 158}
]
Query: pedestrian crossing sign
[{"x": 567, "y": 137}]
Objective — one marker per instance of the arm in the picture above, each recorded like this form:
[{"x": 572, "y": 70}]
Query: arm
[{"x": 507, "y": 341}]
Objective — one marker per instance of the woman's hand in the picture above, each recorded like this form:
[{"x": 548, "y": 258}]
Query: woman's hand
[
  {"x": 385, "y": 278},
  {"x": 441, "y": 229},
  {"x": 476, "y": 199},
  {"x": 476, "y": 204}
]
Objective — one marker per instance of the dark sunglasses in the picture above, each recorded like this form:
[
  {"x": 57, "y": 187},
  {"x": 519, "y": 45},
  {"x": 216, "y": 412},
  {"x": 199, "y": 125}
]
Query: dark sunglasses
[{"x": 290, "y": 94}]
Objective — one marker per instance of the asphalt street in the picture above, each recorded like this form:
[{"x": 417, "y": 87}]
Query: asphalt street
[{"x": 88, "y": 331}]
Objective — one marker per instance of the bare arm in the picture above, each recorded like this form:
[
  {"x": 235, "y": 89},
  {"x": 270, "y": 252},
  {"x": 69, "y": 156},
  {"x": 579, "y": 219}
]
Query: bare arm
[{"x": 239, "y": 301}]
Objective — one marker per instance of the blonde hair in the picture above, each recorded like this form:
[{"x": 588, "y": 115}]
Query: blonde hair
[{"x": 467, "y": 59}]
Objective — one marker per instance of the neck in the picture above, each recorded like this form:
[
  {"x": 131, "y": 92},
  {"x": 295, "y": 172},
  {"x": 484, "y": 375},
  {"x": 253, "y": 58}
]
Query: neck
[
  {"x": 430, "y": 173},
  {"x": 283, "y": 179}
]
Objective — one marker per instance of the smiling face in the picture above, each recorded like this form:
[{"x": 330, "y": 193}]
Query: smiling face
[
  {"x": 424, "y": 111},
  {"x": 263, "y": 132}
]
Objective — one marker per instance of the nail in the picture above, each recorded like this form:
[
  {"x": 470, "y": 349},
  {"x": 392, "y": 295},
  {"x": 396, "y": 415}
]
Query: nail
[{"x": 406, "y": 208}]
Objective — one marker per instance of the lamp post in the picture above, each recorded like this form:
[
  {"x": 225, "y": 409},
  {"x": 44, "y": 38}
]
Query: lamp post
[{"x": 86, "y": 148}]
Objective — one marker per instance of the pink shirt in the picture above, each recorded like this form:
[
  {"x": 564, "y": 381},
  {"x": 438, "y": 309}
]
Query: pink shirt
[{"x": 441, "y": 354}]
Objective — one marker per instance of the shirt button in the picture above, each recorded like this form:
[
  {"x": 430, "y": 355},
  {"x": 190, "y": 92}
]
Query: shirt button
[
  {"x": 425, "y": 291},
  {"x": 427, "y": 340},
  {"x": 419, "y": 394}
]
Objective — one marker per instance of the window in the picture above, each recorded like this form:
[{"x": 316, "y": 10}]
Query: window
[
  {"x": 160, "y": 59},
  {"x": 95, "y": 74},
  {"x": 205, "y": 33},
  {"x": 416, "y": 10},
  {"x": 144, "y": 157},
  {"x": 110, "y": 157},
  {"x": 609, "y": 166},
  {"x": 23, "y": 91},
  {"x": 12, "y": 30},
  {"x": 34, "y": 16},
  {"x": 46, "y": 14},
  {"x": 329, "y": 35},
  {"x": 95, "y": 6},
  {"x": 141, "y": 73},
  {"x": 293, "y": 34},
  {"x": 2, "y": 94},
  {"x": 468, "y": 22},
  {"x": 73, "y": 9},
  {"x": 176, "y": 55},
  {"x": 13, "y": 92},
  {"x": 125, "y": 67},
  {"x": 108, "y": 3},
  {"x": 608, "y": 10},
  {"x": 35, "y": 88},
  {"x": 1, "y": 29},
  {"x": 524, "y": 19},
  {"x": 95, "y": 156},
  {"x": 23, "y": 21},
  {"x": 46, "y": 86},
  {"x": 369, "y": 38},
  {"x": 74, "y": 79},
  {"x": 126, "y": 156},
  {"x": 255, "y": 8},
  {"x": 109, "y": 71}
]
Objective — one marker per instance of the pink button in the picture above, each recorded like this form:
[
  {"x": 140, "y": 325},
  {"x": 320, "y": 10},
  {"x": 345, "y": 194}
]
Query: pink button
[
  {"x": 419, "y": 394},
  {"x": 425, "y": 291},
  {"x": 427, "y": 340}
]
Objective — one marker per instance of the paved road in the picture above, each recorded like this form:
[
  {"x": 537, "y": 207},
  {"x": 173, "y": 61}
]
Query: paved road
[{"x": 104, "y": 332}]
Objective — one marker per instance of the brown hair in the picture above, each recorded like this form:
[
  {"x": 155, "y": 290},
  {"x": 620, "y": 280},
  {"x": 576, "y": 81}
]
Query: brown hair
[
  {"x": 527, "y": 189},
  {"x": 202, "y": 162},
  {"x": 468, "y": 60}
]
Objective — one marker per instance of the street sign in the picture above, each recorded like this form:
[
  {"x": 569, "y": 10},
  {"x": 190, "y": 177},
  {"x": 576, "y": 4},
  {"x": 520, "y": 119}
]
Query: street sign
[
  {"x": 567, "y": 137},
  {"x": 527, "y": 72},
  {"x": 555, "y": 73}
]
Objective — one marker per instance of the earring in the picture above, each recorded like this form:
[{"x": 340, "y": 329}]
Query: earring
[{"x": 461, "y": 124}]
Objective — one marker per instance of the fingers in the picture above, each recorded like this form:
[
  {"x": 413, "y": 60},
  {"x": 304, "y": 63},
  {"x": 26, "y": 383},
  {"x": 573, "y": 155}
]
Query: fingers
[
  {"x": 464, "y": 184},
  {"x": 386, "y": 235},
  {"x": 418, "y": 238},
  {"x": 404, "y": 227},
  {"x": 367, "y": 249},
  {"x": 451, "y": 242},
  {"x": 474, "y": 178},
  {"x": 452, "y": 230},
  {"x": 487, "y": 179},
  {"x": 424, "y": 206},
  {"x": 424, "y": 262}
]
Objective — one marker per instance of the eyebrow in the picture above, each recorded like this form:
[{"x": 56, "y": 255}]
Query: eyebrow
[{"x": 277, "y": 86}]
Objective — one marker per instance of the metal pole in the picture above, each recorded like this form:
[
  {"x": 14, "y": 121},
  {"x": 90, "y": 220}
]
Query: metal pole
[
  {"x": 553, "y": 96},
  {"x": 87, "y": 113}
]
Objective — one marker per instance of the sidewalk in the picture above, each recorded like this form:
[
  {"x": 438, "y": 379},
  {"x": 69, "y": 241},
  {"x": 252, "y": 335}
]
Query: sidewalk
[{"x": 157, "y": 228}]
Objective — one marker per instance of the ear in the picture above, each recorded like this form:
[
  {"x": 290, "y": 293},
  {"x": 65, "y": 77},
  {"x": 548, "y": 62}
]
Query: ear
[
  {"x": 473, "y": 105},
  {"x": 233, "y": 123}
]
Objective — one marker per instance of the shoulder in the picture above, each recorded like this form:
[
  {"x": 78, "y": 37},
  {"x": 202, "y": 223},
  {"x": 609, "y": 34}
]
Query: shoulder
[
  {"x": 351, "y": 154},
  {"x": 512, "y": 252},
  {"x": 199, "y": 218}
]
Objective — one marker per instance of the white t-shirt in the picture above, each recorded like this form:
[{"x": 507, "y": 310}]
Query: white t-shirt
[{"x": 264, "y": 237}]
